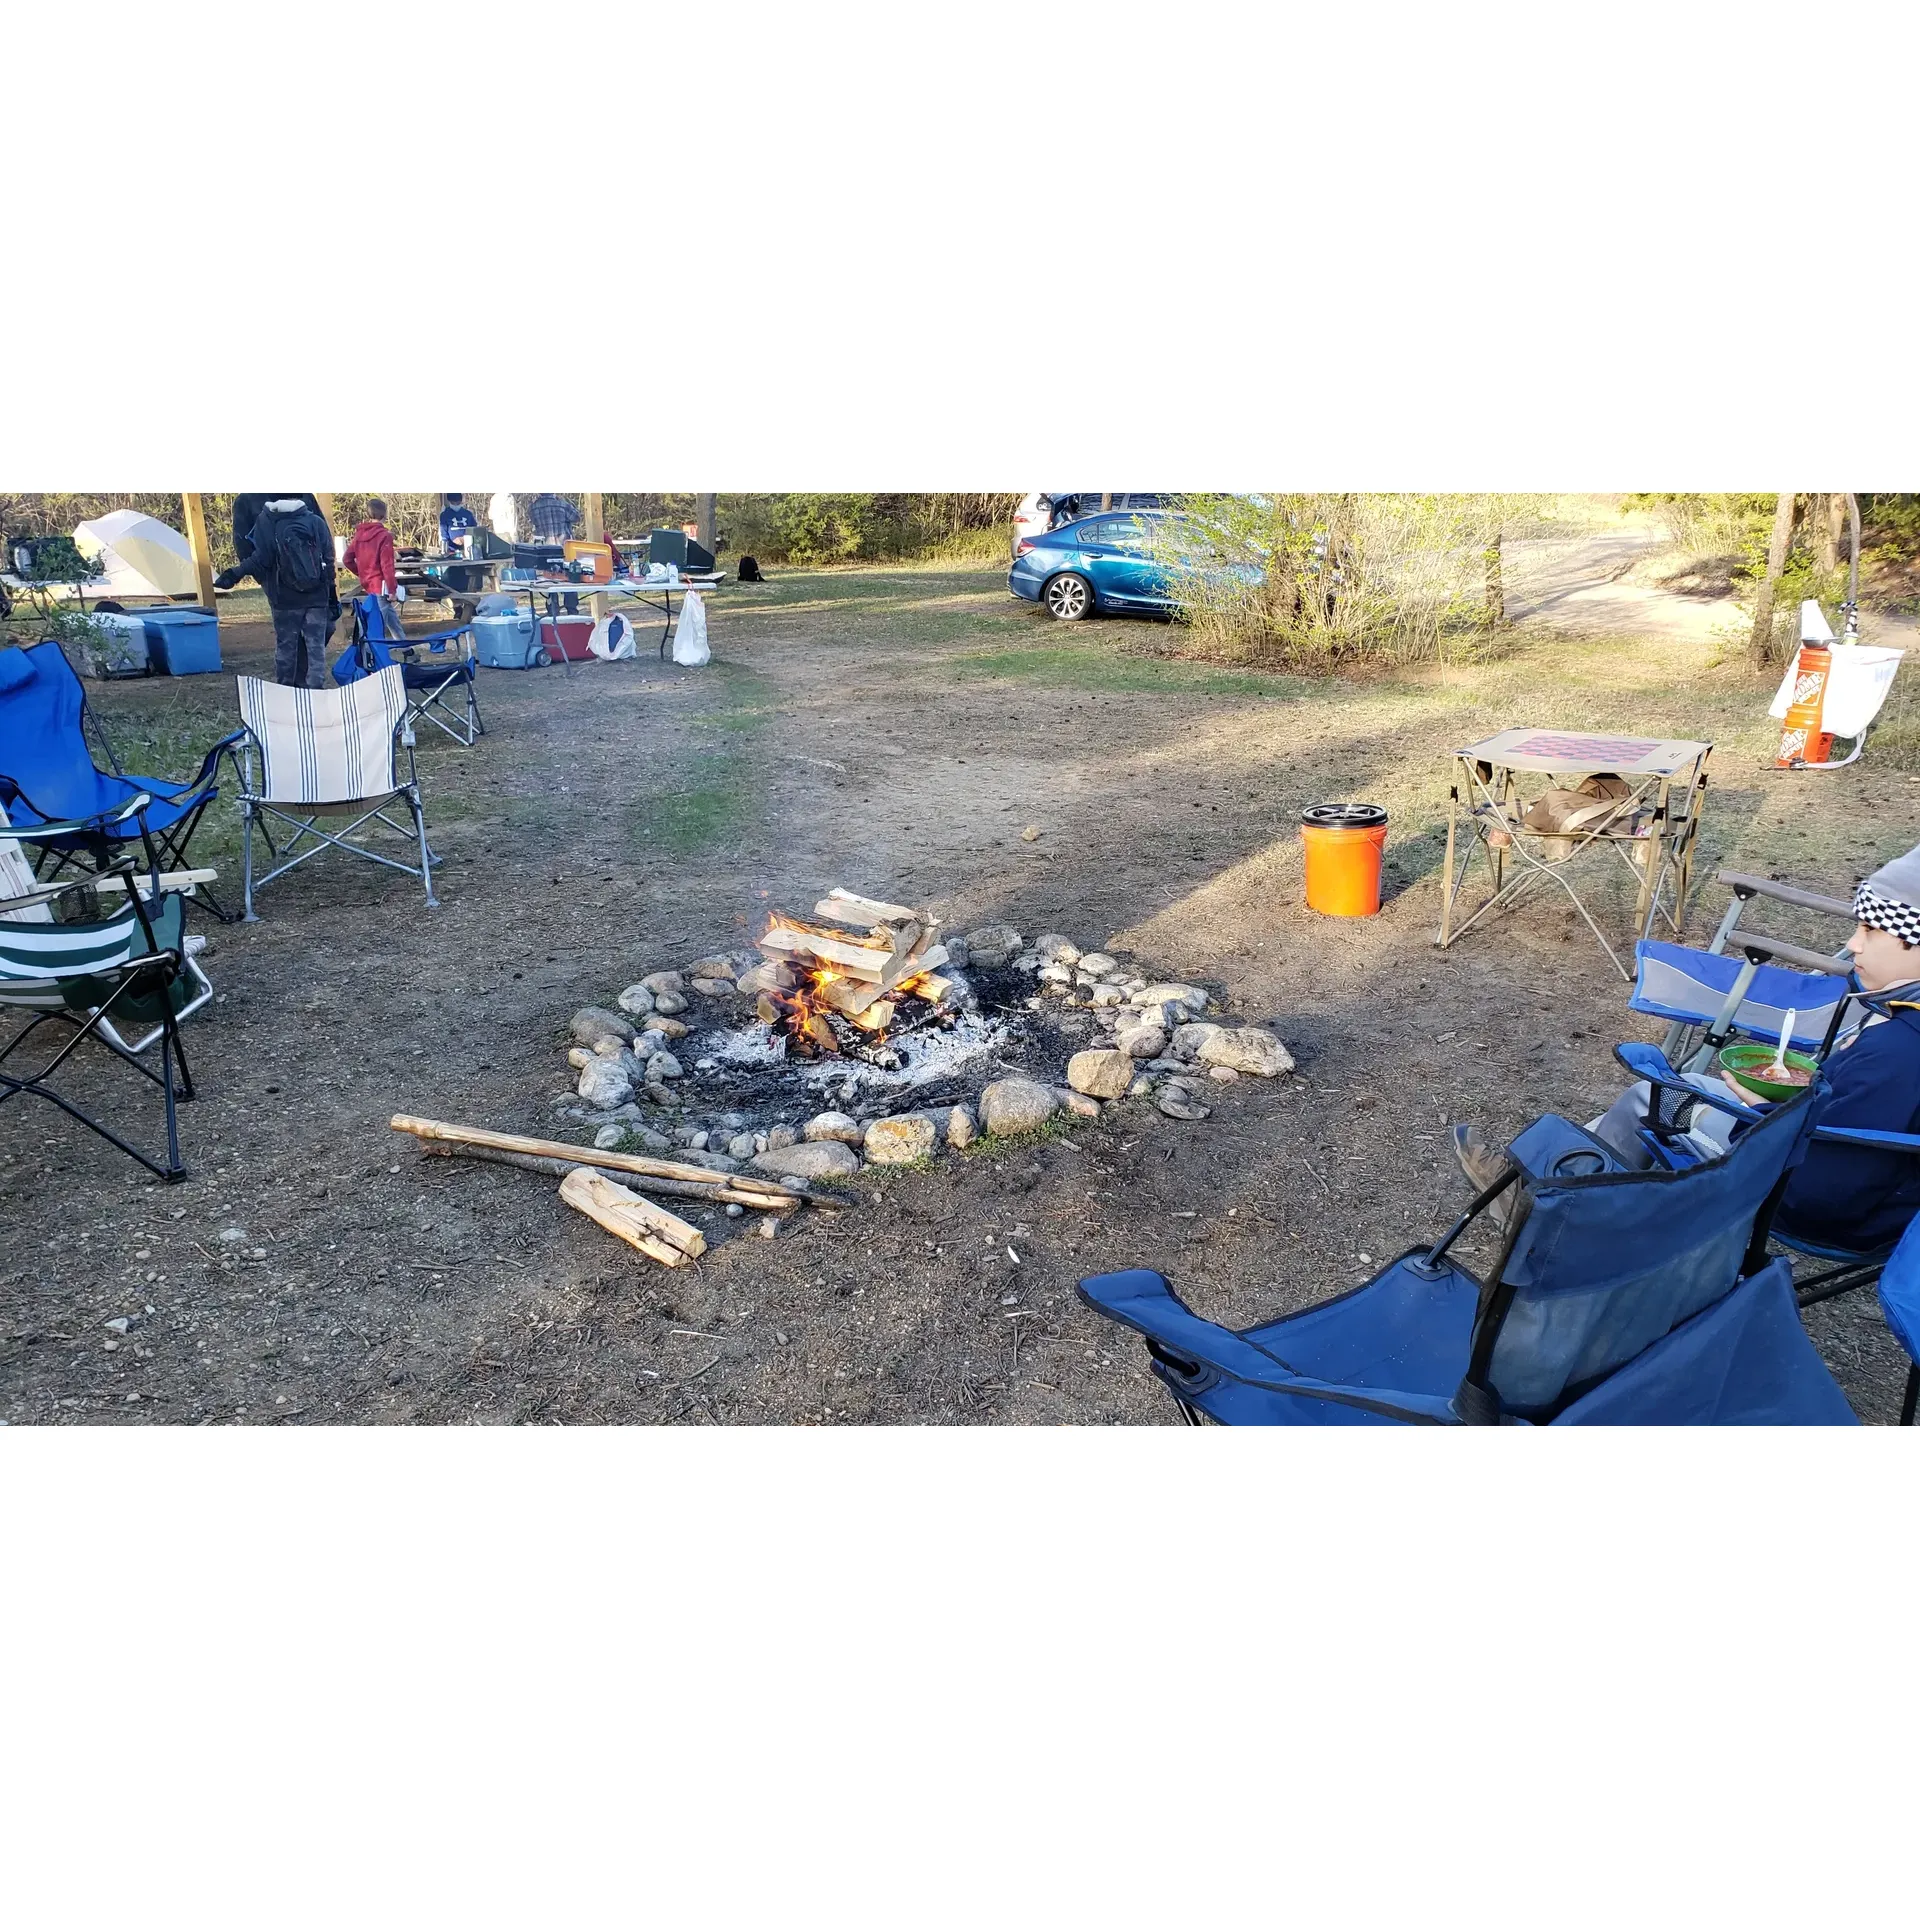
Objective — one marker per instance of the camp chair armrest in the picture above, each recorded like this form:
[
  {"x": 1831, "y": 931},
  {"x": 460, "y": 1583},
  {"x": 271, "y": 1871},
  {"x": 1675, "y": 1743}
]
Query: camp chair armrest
[
  {"x": 107, "y": 879},
  {"x": 1757, "y": 944},
  {"x": 1748, "y": 884},
  {"x": 56, "y": 829},
  {"x": 1183, "y": 1342},
  {"x": 210, "y": 765},
  {"x": 1868, "y": 1137},
  {"x": 1648, "y": 1063}
]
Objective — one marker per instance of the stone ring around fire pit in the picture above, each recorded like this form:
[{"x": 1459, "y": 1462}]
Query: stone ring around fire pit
[{"x": 880, "y": 1037}]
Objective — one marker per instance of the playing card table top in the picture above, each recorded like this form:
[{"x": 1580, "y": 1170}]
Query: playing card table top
[{"x": 1575, "y": 755}]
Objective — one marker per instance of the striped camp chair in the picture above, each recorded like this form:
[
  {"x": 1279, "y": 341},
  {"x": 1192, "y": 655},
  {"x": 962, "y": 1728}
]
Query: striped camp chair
[
  {"x": 129, "y": 960},
  {"x": 311, "y": 751}
]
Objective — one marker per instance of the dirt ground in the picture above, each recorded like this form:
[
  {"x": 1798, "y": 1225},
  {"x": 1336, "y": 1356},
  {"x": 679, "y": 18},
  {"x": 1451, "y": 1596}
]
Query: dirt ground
[{"x": 893, "y": 732}]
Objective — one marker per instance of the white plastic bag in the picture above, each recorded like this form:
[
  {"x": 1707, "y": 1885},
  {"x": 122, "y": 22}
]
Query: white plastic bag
[
  {"x": 612, "y": 638},
  {"x": 690, "y": 647}
]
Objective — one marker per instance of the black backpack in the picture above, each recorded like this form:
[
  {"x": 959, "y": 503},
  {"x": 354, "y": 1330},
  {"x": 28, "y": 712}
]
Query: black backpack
[
  {"x": 749, "y": 570},
  {"x": 302, "y": 552}
]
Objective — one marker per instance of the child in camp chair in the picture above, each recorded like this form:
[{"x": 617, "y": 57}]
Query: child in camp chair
[{"x": 1840, "y": 1196}]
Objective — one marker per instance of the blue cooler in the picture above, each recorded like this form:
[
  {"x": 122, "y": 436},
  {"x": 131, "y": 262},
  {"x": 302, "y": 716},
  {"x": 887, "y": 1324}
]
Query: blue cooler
[
  {"x": 506, "y": 640},
  {"x": 182, "y": 639}
]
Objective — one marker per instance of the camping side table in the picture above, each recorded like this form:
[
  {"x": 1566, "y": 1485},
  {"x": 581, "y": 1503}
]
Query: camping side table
[{"x": 1650, "y": 829}]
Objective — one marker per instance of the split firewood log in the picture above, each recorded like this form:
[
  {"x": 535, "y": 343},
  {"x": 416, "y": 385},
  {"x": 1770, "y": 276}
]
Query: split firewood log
[{"x": 631, "y": 1217}]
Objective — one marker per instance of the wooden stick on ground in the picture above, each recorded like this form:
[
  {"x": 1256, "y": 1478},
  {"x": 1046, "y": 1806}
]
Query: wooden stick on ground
[
  {"x": 648, "y": 1229},
  {"x": 785, "y": 1202},
  {"x": 452, "y": 1135}
]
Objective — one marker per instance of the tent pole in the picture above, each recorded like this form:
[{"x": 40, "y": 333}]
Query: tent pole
[{"x": 193, "y": 511}]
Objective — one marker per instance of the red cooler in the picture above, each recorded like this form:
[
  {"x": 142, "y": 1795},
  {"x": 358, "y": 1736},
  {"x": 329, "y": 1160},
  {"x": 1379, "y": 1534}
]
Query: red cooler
[{"x": 567, "y": 635}]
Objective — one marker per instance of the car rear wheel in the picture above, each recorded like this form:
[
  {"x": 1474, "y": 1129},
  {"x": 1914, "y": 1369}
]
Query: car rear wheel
[{"x": 1067, "y": 596}]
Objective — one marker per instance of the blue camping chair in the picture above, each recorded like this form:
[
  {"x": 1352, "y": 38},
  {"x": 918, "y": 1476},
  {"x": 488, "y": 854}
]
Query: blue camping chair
[
  {"x": 48, "y": 775},
  {"x": 1731, "y": 991},
  {"x": 447, "y": 669},
  {"x": 1619, "y": 1298},
  {"x": 1900, "y": 1302}
]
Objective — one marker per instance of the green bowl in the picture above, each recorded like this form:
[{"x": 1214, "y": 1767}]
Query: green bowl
[{"x": 1744, "y": 1064}]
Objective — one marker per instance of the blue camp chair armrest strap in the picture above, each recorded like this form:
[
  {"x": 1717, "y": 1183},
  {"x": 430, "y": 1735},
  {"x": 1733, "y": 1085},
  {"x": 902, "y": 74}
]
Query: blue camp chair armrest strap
[
  {"x": 55, "y": 829},
  {"x": 1143, "y": 1301},
  {"x": 1868, "y": 1137},
  {"x": 1646, "y": 1062}
]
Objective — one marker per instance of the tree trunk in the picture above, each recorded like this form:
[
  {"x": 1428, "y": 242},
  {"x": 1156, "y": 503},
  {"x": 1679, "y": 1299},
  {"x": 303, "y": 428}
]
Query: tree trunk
[
  {"x": 1825, "y": 523},
  {"x": 1760, "y": 646},
  {"x": 704, "y": 514},
  {"x": 1496, "y": 591}
]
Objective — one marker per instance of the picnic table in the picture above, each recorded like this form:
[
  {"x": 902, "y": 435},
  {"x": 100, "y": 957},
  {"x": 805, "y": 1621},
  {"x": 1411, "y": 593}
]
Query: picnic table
[{"x": 1644, "y": 809}]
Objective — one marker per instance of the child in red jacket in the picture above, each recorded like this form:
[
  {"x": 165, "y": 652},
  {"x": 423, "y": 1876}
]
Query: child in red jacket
[{"x": 369, "y": 558}]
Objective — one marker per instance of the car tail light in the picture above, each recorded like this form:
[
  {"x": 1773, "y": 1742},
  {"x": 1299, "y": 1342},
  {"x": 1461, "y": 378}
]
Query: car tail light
[{"x": 1022, "y": 546}]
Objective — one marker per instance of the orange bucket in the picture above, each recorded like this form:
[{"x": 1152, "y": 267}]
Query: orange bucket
[{"x": 1343, "y": 842}]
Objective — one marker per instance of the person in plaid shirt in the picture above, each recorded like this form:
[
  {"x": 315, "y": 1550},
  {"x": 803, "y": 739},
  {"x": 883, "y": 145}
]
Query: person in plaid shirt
[{"x": 553, "y": 519}]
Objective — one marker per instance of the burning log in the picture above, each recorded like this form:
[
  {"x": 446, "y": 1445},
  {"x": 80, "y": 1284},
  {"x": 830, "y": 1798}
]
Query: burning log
[{"x": 854, "y": 911}]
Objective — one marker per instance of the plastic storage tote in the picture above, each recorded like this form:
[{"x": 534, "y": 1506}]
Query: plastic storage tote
[
  {"x": 116, "y": 649},
  {"x": 182, "y": 639}
]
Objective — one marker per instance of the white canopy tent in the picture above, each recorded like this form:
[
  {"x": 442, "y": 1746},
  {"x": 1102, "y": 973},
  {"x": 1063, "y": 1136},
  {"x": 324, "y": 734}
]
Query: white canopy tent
[{"x": 143, "y": 557}]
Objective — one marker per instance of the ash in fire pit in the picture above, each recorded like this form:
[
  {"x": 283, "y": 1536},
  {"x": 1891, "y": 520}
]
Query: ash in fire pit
[{"x": 875, "y": 1031}]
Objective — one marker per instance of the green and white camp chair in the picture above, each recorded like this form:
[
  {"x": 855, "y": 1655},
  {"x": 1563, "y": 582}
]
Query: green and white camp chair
[
  {"x": 311, "y": 751},
  {"x": 90, "y": 960}
]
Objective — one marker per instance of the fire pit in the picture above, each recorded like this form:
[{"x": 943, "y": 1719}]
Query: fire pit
[{"x": 868, "y": 1030}]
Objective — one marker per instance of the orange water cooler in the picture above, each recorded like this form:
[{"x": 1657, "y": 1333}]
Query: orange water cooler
[{"x": 1802, "y": 743}]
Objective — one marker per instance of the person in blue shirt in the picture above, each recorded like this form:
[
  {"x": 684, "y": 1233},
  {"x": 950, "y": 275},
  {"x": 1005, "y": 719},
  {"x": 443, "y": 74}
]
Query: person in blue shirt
[
  {"x": 456, "y": 518},
  {"x": 1849, "y": 1197}
]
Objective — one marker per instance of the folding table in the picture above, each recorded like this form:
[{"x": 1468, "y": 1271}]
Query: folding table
[
  {"x": 1650, "y": 828},
  {"x": 633, "y": 588}
]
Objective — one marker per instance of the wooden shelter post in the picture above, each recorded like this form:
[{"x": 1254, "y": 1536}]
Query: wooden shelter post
[
  {"x": 193, "y": 511},
  {"x": 596, "y": 529}
]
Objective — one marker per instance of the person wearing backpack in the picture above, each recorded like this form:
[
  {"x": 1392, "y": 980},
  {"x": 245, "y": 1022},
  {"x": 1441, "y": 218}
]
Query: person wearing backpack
[{"x": 291, "y": 556}]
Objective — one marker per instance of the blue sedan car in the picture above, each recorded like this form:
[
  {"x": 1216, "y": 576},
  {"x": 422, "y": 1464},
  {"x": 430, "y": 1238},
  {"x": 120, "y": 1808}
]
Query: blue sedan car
[{"x": 1103, "y": 560}]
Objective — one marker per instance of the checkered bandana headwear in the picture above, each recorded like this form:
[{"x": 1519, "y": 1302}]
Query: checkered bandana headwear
[{"x": 1889, "y": 915}]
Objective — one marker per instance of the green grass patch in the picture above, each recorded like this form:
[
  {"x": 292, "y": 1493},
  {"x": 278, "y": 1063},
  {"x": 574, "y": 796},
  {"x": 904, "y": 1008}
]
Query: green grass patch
[{"x": 693, "y": 818}]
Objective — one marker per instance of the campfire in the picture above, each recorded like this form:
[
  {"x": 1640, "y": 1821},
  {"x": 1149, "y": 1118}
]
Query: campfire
[{"x": 828, "y": 990}]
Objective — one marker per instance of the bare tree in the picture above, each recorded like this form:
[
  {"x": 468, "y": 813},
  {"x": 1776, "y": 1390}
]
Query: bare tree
[{"x": 1760, "y": 646}]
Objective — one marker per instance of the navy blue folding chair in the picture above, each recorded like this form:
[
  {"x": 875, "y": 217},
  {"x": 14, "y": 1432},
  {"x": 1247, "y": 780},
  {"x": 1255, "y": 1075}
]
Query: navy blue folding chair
[
  {"x": 48, "y": 775},
  {"x": 1618, "y": 1298},
  {"x": 437, "y": 669}
]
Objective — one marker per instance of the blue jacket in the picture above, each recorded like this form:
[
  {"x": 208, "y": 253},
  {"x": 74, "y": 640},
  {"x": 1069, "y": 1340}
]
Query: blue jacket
[{"x": 1863, "y": 1197}]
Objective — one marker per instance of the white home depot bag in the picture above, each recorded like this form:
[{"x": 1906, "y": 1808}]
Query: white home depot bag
[
  {"x": 612, "y": 638},
  {"x": 690, "y": 647}
]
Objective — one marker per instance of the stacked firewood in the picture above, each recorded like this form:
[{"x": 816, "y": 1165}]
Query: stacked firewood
[{"x": 815, "y": 977}]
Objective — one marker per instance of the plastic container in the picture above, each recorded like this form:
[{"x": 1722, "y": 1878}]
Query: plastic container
[
  {"x": 569, "y": 634},
  {"x": 1803, "y": 741},
  {"x": 506, "y": 640},
  {"x": 182, "y": 639},
  {"x": 1343, "y": 842},
  {"x": 117, "y": 650}
]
